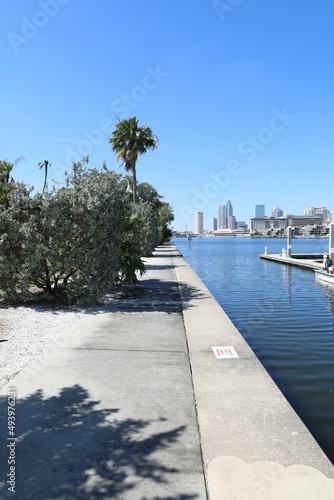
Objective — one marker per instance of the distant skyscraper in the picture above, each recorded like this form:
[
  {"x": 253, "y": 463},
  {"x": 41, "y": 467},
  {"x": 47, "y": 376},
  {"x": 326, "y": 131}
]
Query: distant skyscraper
[
  {"x": 198, "y": 226},
  {"x": 326, "y": 214},
  {"x": 277, "y": 212},
  {"x": 229, "y": 209},
  {"x": 215, "y": 223},
  {"x": 224, "y": 214},
  {"x": 231, "y": 222},
  {"x": 260, "y": 211},
  {"x": 230, "y": 219},
  {"x": 221, "y": 217}
]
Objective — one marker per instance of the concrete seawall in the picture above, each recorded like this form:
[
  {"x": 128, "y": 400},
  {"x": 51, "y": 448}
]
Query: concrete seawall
[{"x": 253, "y": 443}]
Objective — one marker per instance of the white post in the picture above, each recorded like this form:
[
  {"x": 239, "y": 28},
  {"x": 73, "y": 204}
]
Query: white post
[
  {"x": 288, "y": 247},
  {"x": 331, "y": 241}
]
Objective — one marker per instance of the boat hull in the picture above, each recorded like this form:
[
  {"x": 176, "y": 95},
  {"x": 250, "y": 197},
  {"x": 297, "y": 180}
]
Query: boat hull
[{"x": 323, "y": 276}]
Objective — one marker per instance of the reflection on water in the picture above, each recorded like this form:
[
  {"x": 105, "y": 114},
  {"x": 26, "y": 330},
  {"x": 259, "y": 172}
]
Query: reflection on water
[
  {"x": 329, "y": 292},
  {"x": 286, "y": 316}
]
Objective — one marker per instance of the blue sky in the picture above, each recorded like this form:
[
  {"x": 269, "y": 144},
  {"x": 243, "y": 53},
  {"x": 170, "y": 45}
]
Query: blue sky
[{"x": 239, "y": 92}]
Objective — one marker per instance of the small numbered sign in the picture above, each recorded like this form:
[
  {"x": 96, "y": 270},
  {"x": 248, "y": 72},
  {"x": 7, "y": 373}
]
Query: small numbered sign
[{"x": 224, "y": 352}]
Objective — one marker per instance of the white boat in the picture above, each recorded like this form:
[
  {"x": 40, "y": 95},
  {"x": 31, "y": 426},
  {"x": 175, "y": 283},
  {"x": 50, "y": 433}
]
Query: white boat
[{"x": 324, "y": 276}]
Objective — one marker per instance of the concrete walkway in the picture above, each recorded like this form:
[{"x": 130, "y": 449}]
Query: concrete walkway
[{"x": 133, "y": 404}]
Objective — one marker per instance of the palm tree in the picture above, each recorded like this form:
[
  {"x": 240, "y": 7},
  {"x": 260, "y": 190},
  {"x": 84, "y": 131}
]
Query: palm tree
[
  {"x": 7, "y": 183},
  {"x": 128, "y": 141},
  {"x": 44, "y": 164}
]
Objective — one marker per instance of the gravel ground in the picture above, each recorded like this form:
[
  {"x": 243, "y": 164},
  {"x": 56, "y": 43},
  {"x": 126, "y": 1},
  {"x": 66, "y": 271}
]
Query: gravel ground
[{"x": 26, "y": 331}]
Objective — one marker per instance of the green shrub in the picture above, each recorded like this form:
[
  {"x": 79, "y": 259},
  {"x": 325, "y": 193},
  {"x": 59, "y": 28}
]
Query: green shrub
[{"x": 66, "y": 243}]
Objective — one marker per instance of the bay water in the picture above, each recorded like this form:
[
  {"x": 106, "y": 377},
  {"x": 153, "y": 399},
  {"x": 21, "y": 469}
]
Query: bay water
[{"x": 284, "y": 314}]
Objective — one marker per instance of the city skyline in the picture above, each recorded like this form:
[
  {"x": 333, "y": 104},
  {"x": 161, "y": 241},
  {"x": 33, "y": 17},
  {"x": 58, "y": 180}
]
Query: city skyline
[{"x": 276, "y": 212}]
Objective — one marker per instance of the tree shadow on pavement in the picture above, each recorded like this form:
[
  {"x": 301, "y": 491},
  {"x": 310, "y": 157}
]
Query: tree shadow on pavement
[
  {"x": 151, "y": 295},
  {"x": 154, "y": 267},
  {"x": 67, "y": 447}
]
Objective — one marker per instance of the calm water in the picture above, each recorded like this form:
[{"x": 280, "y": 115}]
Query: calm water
[{"x": 284, "y": 314}]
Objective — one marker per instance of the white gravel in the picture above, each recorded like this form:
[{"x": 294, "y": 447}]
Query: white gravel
[{"x": 26, "y": 331}]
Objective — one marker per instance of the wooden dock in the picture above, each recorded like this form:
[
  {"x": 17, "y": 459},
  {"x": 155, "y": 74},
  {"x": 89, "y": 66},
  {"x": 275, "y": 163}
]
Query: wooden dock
[{"x": 311, "y": 262}]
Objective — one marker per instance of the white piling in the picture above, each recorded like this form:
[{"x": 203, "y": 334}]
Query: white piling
[
  {"x": 331, "y": 241},
  {"x": 288, "y": 246}
]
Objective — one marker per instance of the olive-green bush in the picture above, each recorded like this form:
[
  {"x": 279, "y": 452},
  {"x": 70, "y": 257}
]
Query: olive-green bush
[
  {"x": 66, "y": 243},
  {"x": 75, "y": 243}
]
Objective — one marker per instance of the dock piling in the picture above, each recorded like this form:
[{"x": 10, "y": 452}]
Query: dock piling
[
  {"x": 331, "y": 241},
  {"x": 289, "y": 241}
]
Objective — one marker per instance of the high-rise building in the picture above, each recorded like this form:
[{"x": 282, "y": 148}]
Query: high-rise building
[
  {"x": 231, "y": 222},
  {"x": 277, "y": 212},
  {"x": 312, "y": 211},
  {"x": 221, "y": 217},
  {"x": 260, "y": 211},
  {"x": 229, "y": 209},
  {"x": 224, "y": 216},
  {"x": 215, "y": 223},
  {"x": 230, "y": 219},
  {"x": 198, "y": 226}
]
